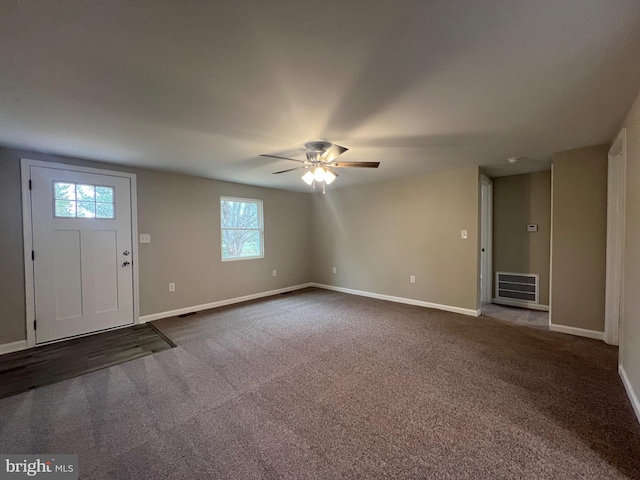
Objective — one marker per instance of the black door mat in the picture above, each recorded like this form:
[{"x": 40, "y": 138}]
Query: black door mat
[{"x": 28, "y": 369}]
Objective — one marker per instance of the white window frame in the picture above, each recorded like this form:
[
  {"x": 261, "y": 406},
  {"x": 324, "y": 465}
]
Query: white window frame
[{"x": 260, "y": 228}]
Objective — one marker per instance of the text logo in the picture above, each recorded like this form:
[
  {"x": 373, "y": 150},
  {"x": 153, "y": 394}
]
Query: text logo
[{"x": 50, "y": 467}]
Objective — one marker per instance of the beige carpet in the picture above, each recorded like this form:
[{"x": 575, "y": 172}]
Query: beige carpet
[{"x": 319, "y": 384}]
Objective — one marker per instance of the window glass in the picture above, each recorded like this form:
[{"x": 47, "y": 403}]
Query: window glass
[
  {"x": 83, "y": 201},
  {"x": 242, "y": 228}
]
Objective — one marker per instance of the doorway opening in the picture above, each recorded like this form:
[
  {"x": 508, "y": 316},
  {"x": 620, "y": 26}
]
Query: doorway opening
[
  {"x": 486, "y": 240},
  {"x": 615, "y": 238}
]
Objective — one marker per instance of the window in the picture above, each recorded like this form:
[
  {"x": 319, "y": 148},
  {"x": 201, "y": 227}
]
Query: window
[
  {"x": 242, "y": 228},
  {"x": 74, "y": 200}
]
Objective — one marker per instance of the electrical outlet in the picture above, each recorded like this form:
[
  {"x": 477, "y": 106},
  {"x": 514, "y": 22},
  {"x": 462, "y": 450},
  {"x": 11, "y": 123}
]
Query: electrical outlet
[
  {"x": 412, "y": 279},
  {"x": 145, "y": 238},
  {"x": 335, "y": 270},
  {"x": 275, "y": 273},
  {"x": 172, "y": 287}
]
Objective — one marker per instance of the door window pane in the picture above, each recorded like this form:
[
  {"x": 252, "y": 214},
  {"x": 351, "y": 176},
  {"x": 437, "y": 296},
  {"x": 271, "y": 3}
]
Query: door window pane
[
  {"x": 86, "y": 209},
  {"x": 65, "y": 208},
  {"x": 66, "y": 191},
  {"x": 85, "y": 192},
  {"x": 104, "y": 210},
  {"x": 104, "y": 194},
  {"x": 73, "y": 200}
]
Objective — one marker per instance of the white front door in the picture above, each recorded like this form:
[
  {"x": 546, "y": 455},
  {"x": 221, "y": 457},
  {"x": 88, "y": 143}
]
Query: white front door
[{"x": 82, "y": 252}]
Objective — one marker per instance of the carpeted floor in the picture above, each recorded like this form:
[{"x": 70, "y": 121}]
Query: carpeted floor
[
  {"x": 520, "y": 316},
  {"x": 319, "y": 384}
]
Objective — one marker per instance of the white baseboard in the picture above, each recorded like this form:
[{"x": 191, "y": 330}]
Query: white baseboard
[
  {"x": 220, "y": 303},
  {"x": 521, "y": 304},
  {"x": 580, "y": 332},
  {"x": 633, "y": 397},
  {"x": 231, "y": 301},
  {"x": 13, "y": 347},
  {"x": 408, "y": 301}
]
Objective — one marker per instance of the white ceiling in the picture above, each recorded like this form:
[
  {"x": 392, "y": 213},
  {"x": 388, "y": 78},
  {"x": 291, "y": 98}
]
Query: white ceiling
[{"x": 203, "y": 87}]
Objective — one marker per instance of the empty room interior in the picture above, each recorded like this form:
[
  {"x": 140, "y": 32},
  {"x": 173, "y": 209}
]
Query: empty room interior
[{"x": 320, "y": 239}]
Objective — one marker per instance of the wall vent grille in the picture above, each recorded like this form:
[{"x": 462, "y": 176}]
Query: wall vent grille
[{"x": 517, "y": 287}]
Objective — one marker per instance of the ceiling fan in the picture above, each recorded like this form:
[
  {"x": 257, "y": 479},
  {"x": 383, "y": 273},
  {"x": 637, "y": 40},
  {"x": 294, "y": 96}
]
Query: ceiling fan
[{"x": 321, "y": 162}]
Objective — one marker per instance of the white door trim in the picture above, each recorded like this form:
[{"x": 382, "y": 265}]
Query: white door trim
[
  {"x": 27, "y": 230},
  {"x": 551, "y": 255},
  {"x": 615, "y": 238},
  {"x": 486, "y": 228}
]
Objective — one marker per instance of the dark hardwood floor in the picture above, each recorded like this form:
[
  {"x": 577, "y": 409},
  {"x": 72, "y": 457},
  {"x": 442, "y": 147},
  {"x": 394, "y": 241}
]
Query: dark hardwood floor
[{"x": 35, "y": 367}]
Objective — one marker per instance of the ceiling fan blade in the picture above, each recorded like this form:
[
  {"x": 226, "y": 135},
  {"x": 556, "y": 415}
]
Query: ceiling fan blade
[
  {"x": 282, "y": 158},
  {"x": 333, "y": 152},
  {"x": 290, "y": 170},
  {"x": 354, "y": 164}
]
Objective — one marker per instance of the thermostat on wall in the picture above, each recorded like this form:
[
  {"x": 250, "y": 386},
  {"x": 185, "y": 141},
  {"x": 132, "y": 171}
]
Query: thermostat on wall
[{"x": 532, "y": 227}]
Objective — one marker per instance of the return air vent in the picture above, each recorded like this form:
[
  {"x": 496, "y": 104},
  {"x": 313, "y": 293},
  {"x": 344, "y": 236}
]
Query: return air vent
[{"x": 517, "y": 288}]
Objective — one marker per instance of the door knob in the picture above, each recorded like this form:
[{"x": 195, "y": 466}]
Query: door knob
[{"x": 126, "y": 263}]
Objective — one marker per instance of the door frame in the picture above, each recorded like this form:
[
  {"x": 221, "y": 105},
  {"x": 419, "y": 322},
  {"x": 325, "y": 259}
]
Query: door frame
[
  {"x": 27, "y": 231},
  {"x": 616, "y": 187},
  {"x": 486, "y": 230}
]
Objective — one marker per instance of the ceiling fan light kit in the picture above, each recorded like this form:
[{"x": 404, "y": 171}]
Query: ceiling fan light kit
[
  {"x": 319, "y": 175},
  {"x": 308, "y": 177},
  {"x": 320, "y": 163},
  {"x": 329, "y": 177}
]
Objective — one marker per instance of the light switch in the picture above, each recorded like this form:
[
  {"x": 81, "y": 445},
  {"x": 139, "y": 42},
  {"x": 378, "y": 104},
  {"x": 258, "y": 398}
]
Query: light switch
[
  {"x": 463, "y": 234},
  {"x": 145, "y": 238}
]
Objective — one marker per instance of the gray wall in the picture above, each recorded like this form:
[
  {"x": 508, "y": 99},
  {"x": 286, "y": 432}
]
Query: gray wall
[
  {"x": 517, "y": 201},
  {"x": 182, "y": 214},
  {"x": 377, "y": 235},
  {"x": 12, "y": 300},
  {"x": 630, "y": 328},
  {"x": 578, "y": 264}
]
